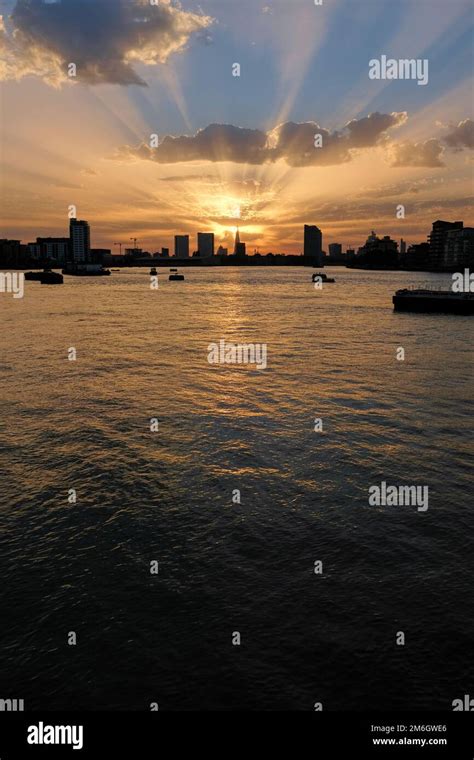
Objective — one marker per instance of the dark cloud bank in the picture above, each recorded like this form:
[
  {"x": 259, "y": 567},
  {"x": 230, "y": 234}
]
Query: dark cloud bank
[
  {"x": 295, "y": 144},
  {"x": 103, "y": 38}
]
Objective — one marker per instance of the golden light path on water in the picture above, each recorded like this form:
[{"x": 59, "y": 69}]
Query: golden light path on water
[{"x": 142, "y": 354}]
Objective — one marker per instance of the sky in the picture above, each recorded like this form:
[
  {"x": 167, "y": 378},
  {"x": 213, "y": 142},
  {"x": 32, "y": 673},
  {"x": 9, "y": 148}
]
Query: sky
[{"x": 149, "y": 134}]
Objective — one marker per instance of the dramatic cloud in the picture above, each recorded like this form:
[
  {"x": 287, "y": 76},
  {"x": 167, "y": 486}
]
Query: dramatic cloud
[
  {"x": 422, "y": 154},
  {"x": 102, "y": 38},
  {"x": 217, "y": 142},
  {"x": 372, "y": 128},
  {"x": 461, "y": 136},
  {"x": 295, "y": 143},
  {"x": 305, "y": 144}
]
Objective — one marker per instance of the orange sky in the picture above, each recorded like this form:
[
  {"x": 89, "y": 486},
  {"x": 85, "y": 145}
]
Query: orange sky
[{"x": 63, "y": 145}]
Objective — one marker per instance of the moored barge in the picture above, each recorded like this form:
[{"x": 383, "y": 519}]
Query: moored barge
[{"x": 444, "y": 301}]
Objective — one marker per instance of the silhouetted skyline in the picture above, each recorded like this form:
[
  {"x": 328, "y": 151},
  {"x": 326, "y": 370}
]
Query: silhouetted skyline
[
  {"x": 448, "y": 247},
  {"x": 198, "y": 145}
]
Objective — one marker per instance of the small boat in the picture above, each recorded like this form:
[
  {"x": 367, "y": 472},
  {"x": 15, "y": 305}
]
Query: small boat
[
  {"x": 175, "y": 276},
  {"x": 323, "y": 277},
  {"x": 35, "y": 275},
  {"x": 51, "y": 278},
  {"x": 86, "y": 270},
  {"x": 444, "y": 301},
  {"x": 153, "y": 272}
]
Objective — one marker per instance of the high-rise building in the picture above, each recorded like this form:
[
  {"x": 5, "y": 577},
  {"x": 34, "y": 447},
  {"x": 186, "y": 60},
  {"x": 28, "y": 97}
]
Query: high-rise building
[
  {"x": 239, "y": 248},
  {"x": 237, "y": 241},
  {"x": 313, "y": 244},
  {"x": 335, "y": 249},
  {"x": 57, "y": 249},
  {"x": 80, "y": 241},
  {"x": 181, "y": 246},
  {"x": 459, "y": 249},
  {"x": 437, "y": 240},
  {"x": 403, "y": 247},
  {"x": 205, "y": 244}
]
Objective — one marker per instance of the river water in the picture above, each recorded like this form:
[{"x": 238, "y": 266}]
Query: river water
[{"x": 170, "y": 495}]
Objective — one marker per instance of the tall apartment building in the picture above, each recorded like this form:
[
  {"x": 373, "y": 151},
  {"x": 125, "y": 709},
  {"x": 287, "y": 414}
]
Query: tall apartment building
[{"x": 80, "y": 241}]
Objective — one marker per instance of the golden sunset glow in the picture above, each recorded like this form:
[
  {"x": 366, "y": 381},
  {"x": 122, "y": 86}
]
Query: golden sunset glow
[{"x": 85, "y": 143}]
